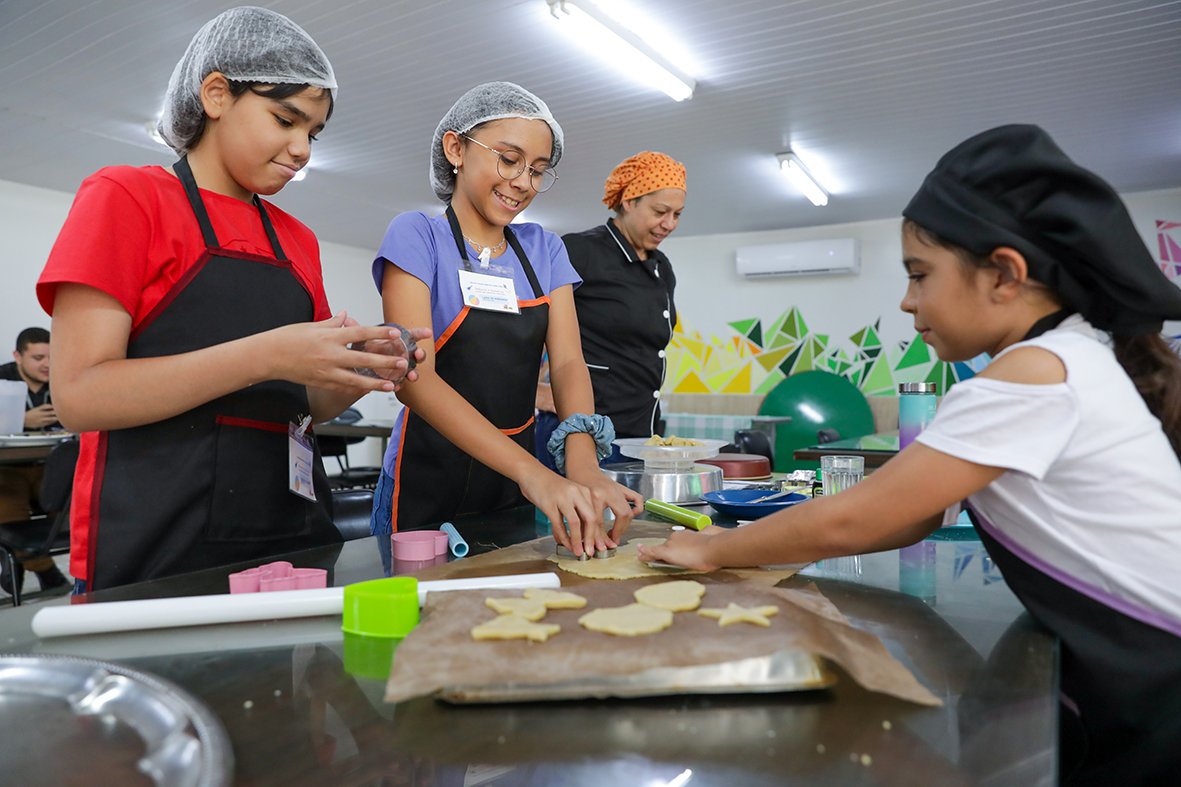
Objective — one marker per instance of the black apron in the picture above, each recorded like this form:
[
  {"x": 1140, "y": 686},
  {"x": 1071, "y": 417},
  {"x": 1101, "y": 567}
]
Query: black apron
[
  {"x": 492, "y": 360},
  {"x": 210, "y": 486},
  {"x": 1120, "y": 684},
  {"x": 1120, "y": 678}
]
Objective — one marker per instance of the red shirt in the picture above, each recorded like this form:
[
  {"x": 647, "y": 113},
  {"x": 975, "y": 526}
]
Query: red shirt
[{"x": 132, "y": 234}]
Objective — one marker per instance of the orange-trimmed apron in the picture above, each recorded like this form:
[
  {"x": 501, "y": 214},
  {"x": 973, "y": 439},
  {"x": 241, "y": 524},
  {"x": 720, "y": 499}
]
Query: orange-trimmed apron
[{"x": 492, "y": 360}]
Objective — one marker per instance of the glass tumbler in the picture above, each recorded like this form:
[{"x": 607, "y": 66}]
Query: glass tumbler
[{"x": 841, "y": 472}]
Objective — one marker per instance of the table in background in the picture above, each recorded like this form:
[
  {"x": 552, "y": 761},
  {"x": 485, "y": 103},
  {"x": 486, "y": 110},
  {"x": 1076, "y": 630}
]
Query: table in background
[
  {"x": 30, "y": 447},
  {"x": 295, "y": 715},
  {"x": 365, "y": 428},
  {"x": 876, "y": 448},
  {"x": 23, "y": 455}
]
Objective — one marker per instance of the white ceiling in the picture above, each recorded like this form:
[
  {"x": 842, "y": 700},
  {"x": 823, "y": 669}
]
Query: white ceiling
[{"x": 868, "y": 92}]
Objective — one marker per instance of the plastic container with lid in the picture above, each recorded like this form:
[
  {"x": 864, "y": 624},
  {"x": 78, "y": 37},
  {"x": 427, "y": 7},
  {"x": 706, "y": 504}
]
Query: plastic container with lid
[{"x": 668, "y": 457}]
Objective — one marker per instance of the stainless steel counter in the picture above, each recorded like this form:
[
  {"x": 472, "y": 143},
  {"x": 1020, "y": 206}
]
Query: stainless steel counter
[{"x": 296, "y": 716}]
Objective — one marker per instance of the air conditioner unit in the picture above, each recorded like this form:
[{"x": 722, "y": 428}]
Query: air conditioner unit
[{"x": 800, "y": 258}]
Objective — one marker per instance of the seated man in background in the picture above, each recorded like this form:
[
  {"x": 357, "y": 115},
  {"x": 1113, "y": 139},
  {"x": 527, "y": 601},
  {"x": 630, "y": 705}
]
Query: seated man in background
[{"x": 20, "y": 485}]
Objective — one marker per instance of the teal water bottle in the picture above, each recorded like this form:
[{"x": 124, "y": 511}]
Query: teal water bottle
[{"x": 916, "y": 409}]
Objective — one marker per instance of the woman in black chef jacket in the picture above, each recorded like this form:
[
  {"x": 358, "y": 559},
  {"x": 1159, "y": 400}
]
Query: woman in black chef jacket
[
  {"x": 625, "y": 305},
  {"x": 193, "y": 344}
]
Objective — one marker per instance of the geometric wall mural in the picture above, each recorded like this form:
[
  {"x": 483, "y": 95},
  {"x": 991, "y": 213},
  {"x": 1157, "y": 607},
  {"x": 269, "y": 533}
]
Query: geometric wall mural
[
  {"x": 1168, "y": 243},
  {"x": 755, "y": 359}
]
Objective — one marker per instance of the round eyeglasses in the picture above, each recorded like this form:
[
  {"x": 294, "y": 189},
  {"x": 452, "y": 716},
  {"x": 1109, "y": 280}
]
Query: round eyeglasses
[{"x": 510, "y": 164}]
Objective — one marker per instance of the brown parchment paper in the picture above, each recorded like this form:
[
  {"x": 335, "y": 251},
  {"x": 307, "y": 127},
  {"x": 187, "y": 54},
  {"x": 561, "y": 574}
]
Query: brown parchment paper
[{"x": 440, "y": 652}]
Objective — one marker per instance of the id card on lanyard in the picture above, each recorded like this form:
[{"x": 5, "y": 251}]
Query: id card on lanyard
[
  {"x": 489, "y": 291},
  {"x": 490, "y": 287},
  {"x": 300, "y": 460}
]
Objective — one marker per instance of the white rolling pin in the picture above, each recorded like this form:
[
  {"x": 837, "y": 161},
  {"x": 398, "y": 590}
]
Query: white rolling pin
[{"x": 237, "y": 607}]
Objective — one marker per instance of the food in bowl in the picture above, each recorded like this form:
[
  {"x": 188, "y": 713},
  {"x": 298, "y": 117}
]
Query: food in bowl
[{"x": 671, "y": 440}]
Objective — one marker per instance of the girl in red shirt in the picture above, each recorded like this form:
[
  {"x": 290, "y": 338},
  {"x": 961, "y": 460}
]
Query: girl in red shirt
[{"x": 193, "y": 344}]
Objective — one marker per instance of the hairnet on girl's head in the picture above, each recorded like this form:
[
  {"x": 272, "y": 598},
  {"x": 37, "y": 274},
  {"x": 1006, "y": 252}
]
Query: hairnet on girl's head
[
  {"x": 481, "y": 104},
  {"x": 246, "y": 44}
]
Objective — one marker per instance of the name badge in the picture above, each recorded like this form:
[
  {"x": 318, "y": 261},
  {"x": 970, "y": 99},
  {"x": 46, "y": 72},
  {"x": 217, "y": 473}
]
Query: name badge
[
  {"x": 299, "y": 456},
  {"x": 491, "y": 293}
]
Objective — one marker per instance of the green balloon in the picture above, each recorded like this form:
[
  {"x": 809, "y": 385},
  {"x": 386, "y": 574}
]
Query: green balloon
[{"x": 815, "y": 400}]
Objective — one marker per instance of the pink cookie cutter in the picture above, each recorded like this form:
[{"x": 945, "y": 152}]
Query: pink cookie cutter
[
  {"x": 402, "y": 567},
  {"x": 419, "y": 544},
  {"x": 279, "y": 575}
]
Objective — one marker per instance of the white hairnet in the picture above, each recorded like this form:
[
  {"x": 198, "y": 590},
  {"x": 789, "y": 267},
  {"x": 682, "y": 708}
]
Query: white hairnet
[
  {"x": 481, "y": 104},
  {"x": 246, "y": 44}
]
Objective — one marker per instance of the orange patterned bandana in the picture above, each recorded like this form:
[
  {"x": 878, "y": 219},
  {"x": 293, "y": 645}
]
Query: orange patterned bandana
[{"x": 642, "y": 174}]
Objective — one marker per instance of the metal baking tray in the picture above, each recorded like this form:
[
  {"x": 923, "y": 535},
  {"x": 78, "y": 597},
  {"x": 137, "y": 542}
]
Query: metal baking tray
[
  {"x": 788, "y": 670},
  {"x": 64, "y": 717}
]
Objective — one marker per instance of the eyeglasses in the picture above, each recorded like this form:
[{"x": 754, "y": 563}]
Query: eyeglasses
[{"x": 510, "y": 164}]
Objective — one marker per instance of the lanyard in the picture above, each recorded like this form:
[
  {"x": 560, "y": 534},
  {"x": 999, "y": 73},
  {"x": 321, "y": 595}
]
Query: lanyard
[
  {"x": 457, "y": 234},
  {"x": 509, "y": 235}
]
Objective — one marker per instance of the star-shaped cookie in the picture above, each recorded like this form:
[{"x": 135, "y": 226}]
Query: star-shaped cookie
[
  {"x": 513, "y": 627},
  {"x": 733, "y": 613}
]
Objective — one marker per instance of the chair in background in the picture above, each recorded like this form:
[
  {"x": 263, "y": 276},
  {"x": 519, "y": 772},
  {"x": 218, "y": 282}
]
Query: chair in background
[
  {"x": 755, "y": 442},
  {"x": 351, "y": 510},
  {"x": 44, "y": 534},
  {"x": 816, "y": 401},
  {"x": 337, "y": 447}
]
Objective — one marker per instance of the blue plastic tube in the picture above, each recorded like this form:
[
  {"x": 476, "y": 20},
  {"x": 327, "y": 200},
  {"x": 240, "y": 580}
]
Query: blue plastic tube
[{"x": 455, "y": 541}]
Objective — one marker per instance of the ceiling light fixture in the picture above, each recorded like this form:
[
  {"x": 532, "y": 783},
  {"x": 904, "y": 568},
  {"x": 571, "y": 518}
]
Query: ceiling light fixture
[
  {"x": 797, "y": 173},
  {"x": 612, "y": 39}
]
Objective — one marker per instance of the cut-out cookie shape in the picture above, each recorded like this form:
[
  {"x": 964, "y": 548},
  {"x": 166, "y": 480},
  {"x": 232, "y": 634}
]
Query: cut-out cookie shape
[
  {"x": 513, "y": 627},
  {"x": 555, "y": 599},
  {"x": 630, "y": 621},
  {"x": 733, "y": 613},
  {"x": 527, "y": 608},
  {"x": 680, "y": 595}
]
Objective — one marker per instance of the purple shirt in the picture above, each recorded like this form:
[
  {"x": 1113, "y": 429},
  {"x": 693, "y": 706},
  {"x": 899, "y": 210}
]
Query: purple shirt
[{"x": 423, "y": 246}]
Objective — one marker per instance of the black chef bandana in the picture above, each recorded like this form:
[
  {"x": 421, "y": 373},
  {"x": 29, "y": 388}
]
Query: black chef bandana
[{"x": 1013, "y": 186}]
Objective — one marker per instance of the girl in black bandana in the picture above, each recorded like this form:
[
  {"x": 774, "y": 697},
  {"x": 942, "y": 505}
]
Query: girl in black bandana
[{"x": 1014, "y": 250}]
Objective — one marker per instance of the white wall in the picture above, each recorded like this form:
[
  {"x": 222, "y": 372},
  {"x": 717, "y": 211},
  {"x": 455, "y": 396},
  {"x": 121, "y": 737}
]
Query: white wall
[
  {"x": 29, "y": 221},
  {"x": 836, "y": 305},
  {"x": 710, "y": 294}
]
